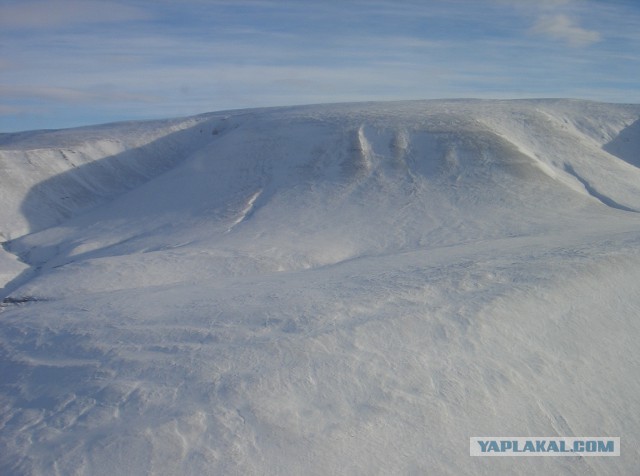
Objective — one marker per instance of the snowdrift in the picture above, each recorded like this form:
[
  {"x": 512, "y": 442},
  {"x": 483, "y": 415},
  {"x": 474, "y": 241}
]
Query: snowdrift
[{"x": 335, "y": 289}]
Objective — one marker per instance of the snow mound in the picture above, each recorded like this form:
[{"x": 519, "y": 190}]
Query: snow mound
[
  {"x": 311, "y": 176},
  {"x": 335, "y": 289}
]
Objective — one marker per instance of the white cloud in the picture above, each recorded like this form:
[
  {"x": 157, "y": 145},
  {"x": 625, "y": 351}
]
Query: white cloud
[
  {"x": 59, "y": 13},
  {"x": 556, "y": 19},
  {"x": 561, "y": 27}
]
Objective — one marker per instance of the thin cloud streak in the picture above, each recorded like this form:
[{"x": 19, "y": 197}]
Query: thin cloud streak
[
  {"x": 70, "y": 95},
  {"x": 64, "y": 13}
]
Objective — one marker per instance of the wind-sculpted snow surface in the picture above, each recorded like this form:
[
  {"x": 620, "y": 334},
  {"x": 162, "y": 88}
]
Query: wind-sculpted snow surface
[{"x": 338, "y": 289}]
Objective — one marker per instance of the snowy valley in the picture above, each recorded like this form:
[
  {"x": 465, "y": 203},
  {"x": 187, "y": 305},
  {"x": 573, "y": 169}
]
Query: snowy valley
[{"x": 332, "y": 289}]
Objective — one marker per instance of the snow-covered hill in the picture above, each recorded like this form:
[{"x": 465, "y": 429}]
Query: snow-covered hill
[{"x": 337, "y": 289}]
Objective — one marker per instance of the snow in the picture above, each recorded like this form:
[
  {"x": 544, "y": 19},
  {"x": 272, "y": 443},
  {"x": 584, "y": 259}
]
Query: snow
[{"x": 330, "y": 289}]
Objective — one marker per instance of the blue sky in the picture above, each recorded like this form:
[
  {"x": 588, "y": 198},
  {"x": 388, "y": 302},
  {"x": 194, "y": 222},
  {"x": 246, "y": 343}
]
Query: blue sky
[{"x": 65, "y": 63}]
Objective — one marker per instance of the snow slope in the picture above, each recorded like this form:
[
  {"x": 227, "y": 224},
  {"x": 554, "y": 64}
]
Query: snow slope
[{"x": 336, "y": 289}]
